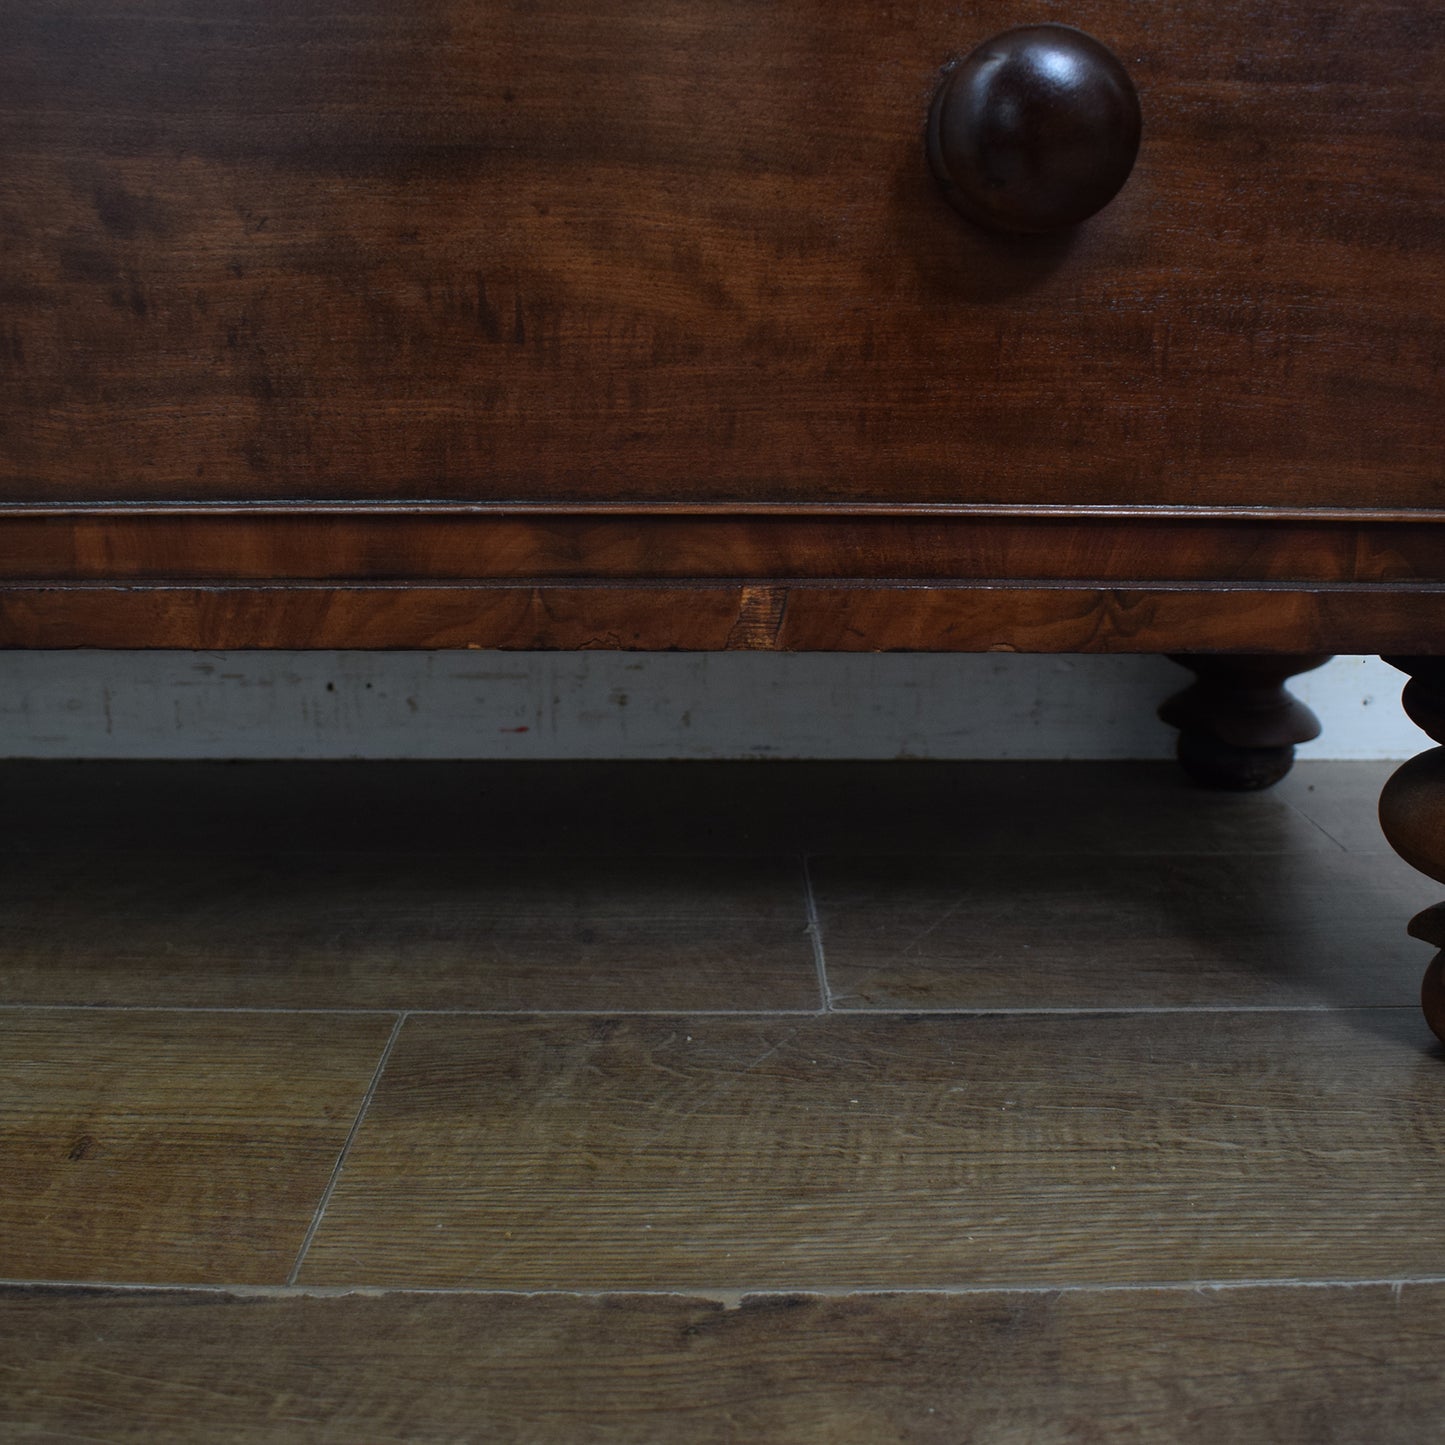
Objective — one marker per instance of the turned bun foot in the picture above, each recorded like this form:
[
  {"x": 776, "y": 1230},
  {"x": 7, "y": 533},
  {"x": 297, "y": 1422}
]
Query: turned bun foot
[
  {"x": 1412, "y": 813},
  {"x": 1429, "y": 926},
  {"x": 1238, "y": 726},
  {"x": 1215, "y": 764},
  {"x": 1432, "y": 996}
]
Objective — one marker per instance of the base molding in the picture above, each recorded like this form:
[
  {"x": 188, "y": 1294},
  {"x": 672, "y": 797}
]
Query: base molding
[
  {"x": 314, "y": 543},
  {"x": 783, "y": 615}
]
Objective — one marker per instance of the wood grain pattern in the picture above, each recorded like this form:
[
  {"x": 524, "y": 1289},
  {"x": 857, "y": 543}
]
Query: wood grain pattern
[
  {"x": 172, "y": 1147},
  {"x": 687, "y": 1153},
  {"x": 310, "y": 544},
  {"x": 517, "y": 251},
  {"x": 707, "y": 617},
  {"x": 1072, "y": 930},
  {"x": 389, "y": 929},
  {"x": 908, "y": 1151},
  {"x": 1258, "y": 1366}
]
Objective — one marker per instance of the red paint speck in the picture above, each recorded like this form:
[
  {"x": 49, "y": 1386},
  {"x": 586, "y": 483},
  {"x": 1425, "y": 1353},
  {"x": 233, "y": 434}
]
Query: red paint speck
[{"x": 514, "y": 730}]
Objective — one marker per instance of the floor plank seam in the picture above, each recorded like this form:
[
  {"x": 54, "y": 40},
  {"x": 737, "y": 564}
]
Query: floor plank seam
[
  {"x": 815, "y": 933},
  {"x": 340, "y": 1164},
  {"x": 1123, "y": 1010},
  {"x": 727, "y": 1294},
  {"x": 1316, "y": 824},
  {"x": 193, "y": 1008},
  {"x": 620, "y": 1013},
  {"x": 342, "y": 1010},
  {"x": 1103, "y": 1010}
]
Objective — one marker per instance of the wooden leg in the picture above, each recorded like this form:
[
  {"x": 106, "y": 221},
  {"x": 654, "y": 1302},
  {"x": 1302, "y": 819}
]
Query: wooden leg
[
  {"x": 1237, "y": 725},
  {"x": 1412, "y": 813}
]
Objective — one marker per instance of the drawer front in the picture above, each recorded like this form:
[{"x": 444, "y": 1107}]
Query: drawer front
[{"x": 690, "y": 251}]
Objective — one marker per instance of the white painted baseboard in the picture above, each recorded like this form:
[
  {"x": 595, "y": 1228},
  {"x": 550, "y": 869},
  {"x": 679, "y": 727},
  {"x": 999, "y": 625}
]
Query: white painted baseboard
[{"x": 632, "y": 705}]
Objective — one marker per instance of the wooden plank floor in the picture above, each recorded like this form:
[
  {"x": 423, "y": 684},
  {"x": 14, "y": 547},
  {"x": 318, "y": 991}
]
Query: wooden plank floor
[{"x": 707, "y": 1102}]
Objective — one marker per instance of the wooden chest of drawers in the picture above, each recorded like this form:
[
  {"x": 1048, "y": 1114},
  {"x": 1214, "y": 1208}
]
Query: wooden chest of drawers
[{"x": 549, "y": 324}]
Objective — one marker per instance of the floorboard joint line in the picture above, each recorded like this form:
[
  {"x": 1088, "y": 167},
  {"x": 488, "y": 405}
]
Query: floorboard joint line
[
  {"x": 815, "y": 932},
  {"x": 340, "y": 1164},
  {"x": 1107, "y": 1010},
  {"x": 1316, "y": 824},
  {"x": 729, "y": 1293},
  {"x": 601, "y": 1011},
  {"x": 861, "y": 1010},
  {"x": 188, "y": 1008}
]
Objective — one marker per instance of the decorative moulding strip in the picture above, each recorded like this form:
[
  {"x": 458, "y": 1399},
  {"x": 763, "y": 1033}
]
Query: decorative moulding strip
[
  {"x": 210, "y": 546},
  {"x": 924, "y": 510},
  {"x": 360, "y": 546},
  {"x": 754, "y": 616}
]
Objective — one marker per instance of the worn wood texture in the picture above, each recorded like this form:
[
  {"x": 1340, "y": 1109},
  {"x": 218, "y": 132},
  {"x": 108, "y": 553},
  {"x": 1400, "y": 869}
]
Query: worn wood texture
[
  {"x": 503, "y": 250},
  {"x": 845, "y": 1151},
  {"x": 754, "y": 616},
  {"x": 389, "y": 929},
  {"x": 172, "y": 1147},
  {"x": 1258, "y": 1366},
  {"x": 1062, "y": 929},
  {"x": 692, "y": 1154}
]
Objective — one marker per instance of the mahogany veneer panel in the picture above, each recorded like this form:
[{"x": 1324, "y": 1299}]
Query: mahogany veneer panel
[
  {"x": 172, "y": 1147},
  {"x": 507, "y": 250},
  {"x": 1273, "y": 1366},
  {"x": 853, "y": 1151},
  {"x": 762, "y": 616},
  {"x": 1309, "y": 929},
  {"x": 396, "y": 930},
  {"x": 434, "y": 545}
]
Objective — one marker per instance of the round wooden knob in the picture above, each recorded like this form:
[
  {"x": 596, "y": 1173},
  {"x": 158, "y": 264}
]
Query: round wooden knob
[{"x": 1035, "y": 130}]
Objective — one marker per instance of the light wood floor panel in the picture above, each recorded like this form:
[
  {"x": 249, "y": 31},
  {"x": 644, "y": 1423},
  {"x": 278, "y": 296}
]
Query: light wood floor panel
[
  {"x": 846, "y": 1151},
  {"x": 624, "y": 1135},
  {"x": 1084, "y": 931},
  {"x": 1273, "y": 1366},
  {"x": 171, "y": 1147},
  {"x": 404, "y": 930}
]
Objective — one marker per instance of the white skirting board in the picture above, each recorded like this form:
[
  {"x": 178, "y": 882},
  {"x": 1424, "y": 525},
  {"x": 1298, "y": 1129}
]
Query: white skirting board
[{"x": 631, "y": 705}]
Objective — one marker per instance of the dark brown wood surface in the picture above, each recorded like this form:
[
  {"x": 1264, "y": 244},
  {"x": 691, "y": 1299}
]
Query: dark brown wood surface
[
  {"x": 478, "y": 249},
  {"x": 1322, "y": 1366},
  {"x": 733, "y": 616},
  {"x": 421, "y": 544}
]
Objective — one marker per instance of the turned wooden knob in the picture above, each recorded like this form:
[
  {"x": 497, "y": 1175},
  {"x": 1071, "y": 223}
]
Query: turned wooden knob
[{"x": 1035, "y": 130}]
